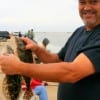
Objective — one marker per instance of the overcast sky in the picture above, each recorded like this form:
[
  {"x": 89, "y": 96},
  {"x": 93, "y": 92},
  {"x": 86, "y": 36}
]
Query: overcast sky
[{"x": 41, "y": 15}]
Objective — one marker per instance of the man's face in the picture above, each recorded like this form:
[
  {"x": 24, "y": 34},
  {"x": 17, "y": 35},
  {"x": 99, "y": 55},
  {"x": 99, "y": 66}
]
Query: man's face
[{"x": 89, "y": 11}]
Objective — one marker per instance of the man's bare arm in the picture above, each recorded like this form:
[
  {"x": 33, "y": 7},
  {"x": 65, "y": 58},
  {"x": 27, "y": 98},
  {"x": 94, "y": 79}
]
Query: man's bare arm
[{"x": 60, "y": 72}]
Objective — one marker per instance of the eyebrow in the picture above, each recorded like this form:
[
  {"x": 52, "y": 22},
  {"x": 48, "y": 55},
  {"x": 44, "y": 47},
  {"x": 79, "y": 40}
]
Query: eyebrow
[{"x": 89, "y": 0}]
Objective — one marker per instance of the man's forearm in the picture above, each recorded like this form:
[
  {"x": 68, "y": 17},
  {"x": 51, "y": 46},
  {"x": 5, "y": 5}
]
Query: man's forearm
[
  {"x": 46, "y": 56},
  {"x": 48, "y": 72}
]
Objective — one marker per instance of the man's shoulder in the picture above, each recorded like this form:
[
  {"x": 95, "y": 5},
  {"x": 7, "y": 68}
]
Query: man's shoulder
[{"x": 80, "y": 28}]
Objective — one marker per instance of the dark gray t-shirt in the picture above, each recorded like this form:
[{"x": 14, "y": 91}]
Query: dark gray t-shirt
[{"x": 87, "y": 42}]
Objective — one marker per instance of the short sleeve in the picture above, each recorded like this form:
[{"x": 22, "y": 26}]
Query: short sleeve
[{"x": 92, "y": 51}]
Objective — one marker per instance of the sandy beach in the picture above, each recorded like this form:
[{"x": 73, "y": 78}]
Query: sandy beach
[{"x": 51, "y": 88}]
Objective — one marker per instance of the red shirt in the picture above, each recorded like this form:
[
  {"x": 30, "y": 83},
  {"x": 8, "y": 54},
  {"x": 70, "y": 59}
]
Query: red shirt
[{"x": 33, "y": 84}]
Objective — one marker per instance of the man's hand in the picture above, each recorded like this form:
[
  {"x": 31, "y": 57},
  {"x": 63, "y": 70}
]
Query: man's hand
[
  {"x": 31, "y": 45},
  {"x": 9, "y": 64}
]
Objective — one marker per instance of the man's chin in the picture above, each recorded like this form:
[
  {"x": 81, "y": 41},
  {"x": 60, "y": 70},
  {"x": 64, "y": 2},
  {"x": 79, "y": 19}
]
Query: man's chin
[{"x": 89, "y": 22}]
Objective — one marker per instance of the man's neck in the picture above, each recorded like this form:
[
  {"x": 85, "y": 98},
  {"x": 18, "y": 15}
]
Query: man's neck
[{"x": 90, "y": 27}]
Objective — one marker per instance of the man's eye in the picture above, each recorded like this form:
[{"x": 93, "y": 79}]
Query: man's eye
[
  {"x": 90, "y": 1},
  {"x": 82, "y": 2},
  {"x": 94, "y": 1}
]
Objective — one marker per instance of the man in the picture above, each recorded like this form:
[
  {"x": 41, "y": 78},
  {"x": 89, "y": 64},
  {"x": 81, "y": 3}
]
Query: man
[{"x": 76, "y": 67}]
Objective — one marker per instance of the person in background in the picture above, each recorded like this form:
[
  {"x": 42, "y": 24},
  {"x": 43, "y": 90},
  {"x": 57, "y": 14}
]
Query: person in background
[
  {"x": 20, "y": 35},
  {"x": 76, "y": 66},
  {"x": 38, "y": 87},
  {"x": 30, "y": 34},
  {"x": 45, "y": 42},
  {"x": 44, "y": 45}
]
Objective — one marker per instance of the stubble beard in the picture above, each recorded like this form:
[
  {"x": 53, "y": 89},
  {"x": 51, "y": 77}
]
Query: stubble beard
[{"x": 89, "y": 22}]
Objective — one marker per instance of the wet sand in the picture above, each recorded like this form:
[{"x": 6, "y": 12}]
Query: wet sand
[{"x": 51, "y": 88}]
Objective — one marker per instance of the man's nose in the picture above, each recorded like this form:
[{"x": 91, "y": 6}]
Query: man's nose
[{"x": 87, "y": 6}]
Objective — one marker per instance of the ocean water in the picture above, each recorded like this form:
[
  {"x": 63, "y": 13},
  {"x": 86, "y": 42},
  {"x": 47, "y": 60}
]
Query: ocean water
[{"x": 57, "y": 39}]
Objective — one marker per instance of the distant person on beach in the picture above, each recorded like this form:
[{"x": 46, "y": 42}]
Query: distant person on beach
[
  {"x": 45, "y": 42},
  {"x": 76, "y": 66},
  {"x": 38, "y": 87},
  {"x": 20, "y": 35},
  {"x": 30, "y": 34}
]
